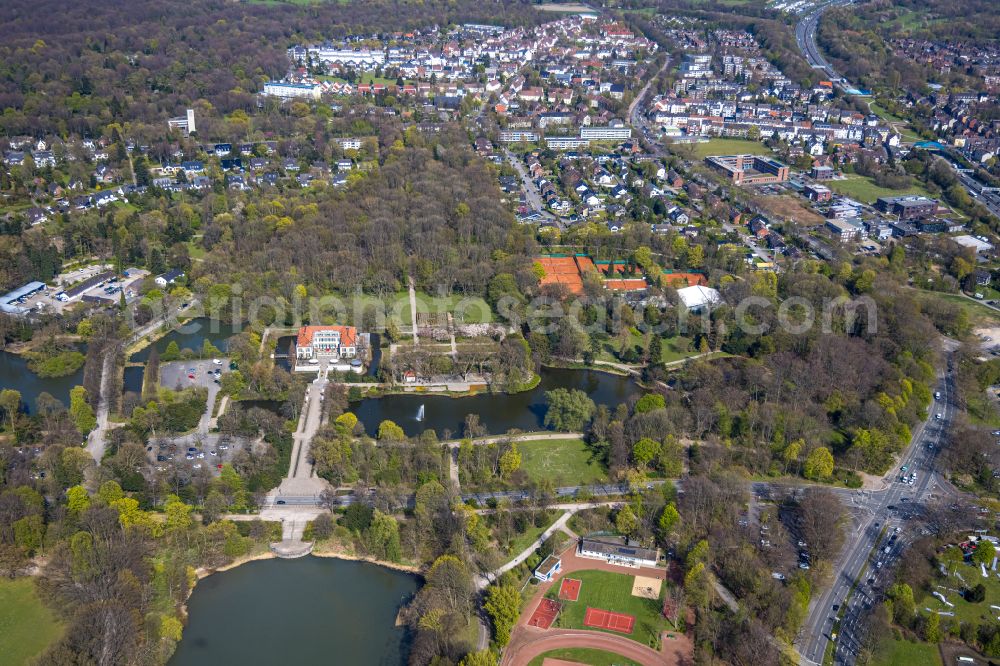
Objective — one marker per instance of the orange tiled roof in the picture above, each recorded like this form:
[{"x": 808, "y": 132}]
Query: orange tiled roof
[{"x": 348, "y": 335}]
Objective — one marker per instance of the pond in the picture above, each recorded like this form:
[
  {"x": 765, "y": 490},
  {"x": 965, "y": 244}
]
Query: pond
[
  {"x": 498, "y": 413},
  {"x": 310, "y": 610},
  {"x": 14, "y": 374},
  {"x": 192, "y": 335},
  {"x": 132, "y": 379}
]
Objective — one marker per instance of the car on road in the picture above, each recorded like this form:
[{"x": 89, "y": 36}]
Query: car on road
[
  {"x": 217, "y": 361},
  {"x": 197, "y": 466},
  {"x": 938, "y": 416},
  {"x": 804, "y": 565},
  {"x": 280, "y": 502},
  {"x": 778, "y": 576},
  {"x": 937, "y": 395},
  {"x": 190, "y": 375}
]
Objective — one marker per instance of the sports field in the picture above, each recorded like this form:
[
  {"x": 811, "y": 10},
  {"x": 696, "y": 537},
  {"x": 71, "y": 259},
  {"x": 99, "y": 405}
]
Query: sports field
[
  {"x": 603, "y": 619},
  {"x": 861, "y": 188},
  {"x": 611, "y": 592},
  {"x": 562, "y": 461}
]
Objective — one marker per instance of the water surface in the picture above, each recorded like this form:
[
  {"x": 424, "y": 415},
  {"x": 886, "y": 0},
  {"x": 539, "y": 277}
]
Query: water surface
[
  {"x": 499, "y": 412},
  {"x": 306, "y": 611}
]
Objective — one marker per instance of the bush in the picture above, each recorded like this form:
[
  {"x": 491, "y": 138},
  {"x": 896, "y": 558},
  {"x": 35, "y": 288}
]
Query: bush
[
  {"x": 60, "y": 364},
  {"x": 322, "y": 527},
  {"x": 976, "y": 595}
]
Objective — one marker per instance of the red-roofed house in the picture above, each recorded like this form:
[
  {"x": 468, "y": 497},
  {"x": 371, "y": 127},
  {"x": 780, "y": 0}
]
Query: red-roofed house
[{"x": 326, "y": 341}]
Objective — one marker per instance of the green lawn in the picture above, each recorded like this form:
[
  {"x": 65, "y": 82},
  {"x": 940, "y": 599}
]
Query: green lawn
[
  {"x": 26, "y": 626},
  {"x": 563, "y": 461},
  {"x": 979, "y": 313},
  {"x": 584, "y": 656},
  {"x": 674, "y": 349},
  {"x": 613, "y": 592},
  {"x": 864, "y": 190},
  {"x": 893, "y": 652},
  {"x": 965, "y": 611},
  {"x": 467, "y": 309},
  {"x": 728, "y": 147}
]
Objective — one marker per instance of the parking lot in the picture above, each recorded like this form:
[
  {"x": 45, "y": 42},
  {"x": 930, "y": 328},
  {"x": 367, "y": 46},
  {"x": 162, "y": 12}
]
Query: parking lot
[
  {"x": 201, "y": 450},
  {"x": 68, "y": 290},
  {"x": 206, "y": 373},
  {"x": 191, "y": 455}
]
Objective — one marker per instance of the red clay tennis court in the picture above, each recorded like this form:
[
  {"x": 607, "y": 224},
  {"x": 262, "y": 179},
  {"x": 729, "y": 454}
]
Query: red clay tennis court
[
  {"x": 569, "y": 589},
  {"x": 545, "y": 614},
  {"x": 603, "y": 619}
]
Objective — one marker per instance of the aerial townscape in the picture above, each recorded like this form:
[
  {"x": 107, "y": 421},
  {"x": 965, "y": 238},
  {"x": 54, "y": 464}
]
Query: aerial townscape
[{"x": 509, "y": 333}]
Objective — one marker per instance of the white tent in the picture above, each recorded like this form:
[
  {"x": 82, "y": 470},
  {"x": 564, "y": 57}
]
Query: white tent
[{"x": 698, "y": 297}]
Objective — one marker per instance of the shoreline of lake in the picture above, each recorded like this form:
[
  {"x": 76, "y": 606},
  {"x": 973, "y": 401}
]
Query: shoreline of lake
[{"x": 306, "y": 595}]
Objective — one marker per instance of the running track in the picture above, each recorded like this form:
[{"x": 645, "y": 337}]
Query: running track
[{"x": 554, "y": 639}]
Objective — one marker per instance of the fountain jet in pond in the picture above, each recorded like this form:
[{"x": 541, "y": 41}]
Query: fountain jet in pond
[{"x": 420, "y": 413}]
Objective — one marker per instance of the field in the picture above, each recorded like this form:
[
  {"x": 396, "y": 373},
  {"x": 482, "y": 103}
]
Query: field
[
  {"x": 563, "y": 461},
  {"x": 677, "y": 348},
  {"x": 566, "y": 7},
  {"x": 727, "y": 147},
  {"x": 864, "y": 190},
  {"x": 790, "y": 208},
  {"x": 26, "y": 626},
  {"x": 892, "y": 652},
  {"x": 364, "y": 77},
  {"x": 613, "y": 592},
  {"x": 583, "y": 656},
  {"x": 470, "y": 310}
]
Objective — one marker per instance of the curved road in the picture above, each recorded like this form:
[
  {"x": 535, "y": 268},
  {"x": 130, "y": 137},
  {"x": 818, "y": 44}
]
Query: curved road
[
  {"x": 805, "y": 37},
  {"x": 556, "y": 639}
]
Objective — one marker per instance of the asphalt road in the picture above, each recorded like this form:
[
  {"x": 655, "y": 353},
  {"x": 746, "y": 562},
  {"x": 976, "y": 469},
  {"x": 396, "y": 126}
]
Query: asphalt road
[
  {"x": 805, "y": 37},
  {"x": 531, "y": 193},
  {"x": 872, "y": 516}
]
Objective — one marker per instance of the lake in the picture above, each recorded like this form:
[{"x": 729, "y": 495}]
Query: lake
[
  {"x": 499, "y": 412},
  {"x": 14, "y": 374},
  {"x": 309, "y": 610}
]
